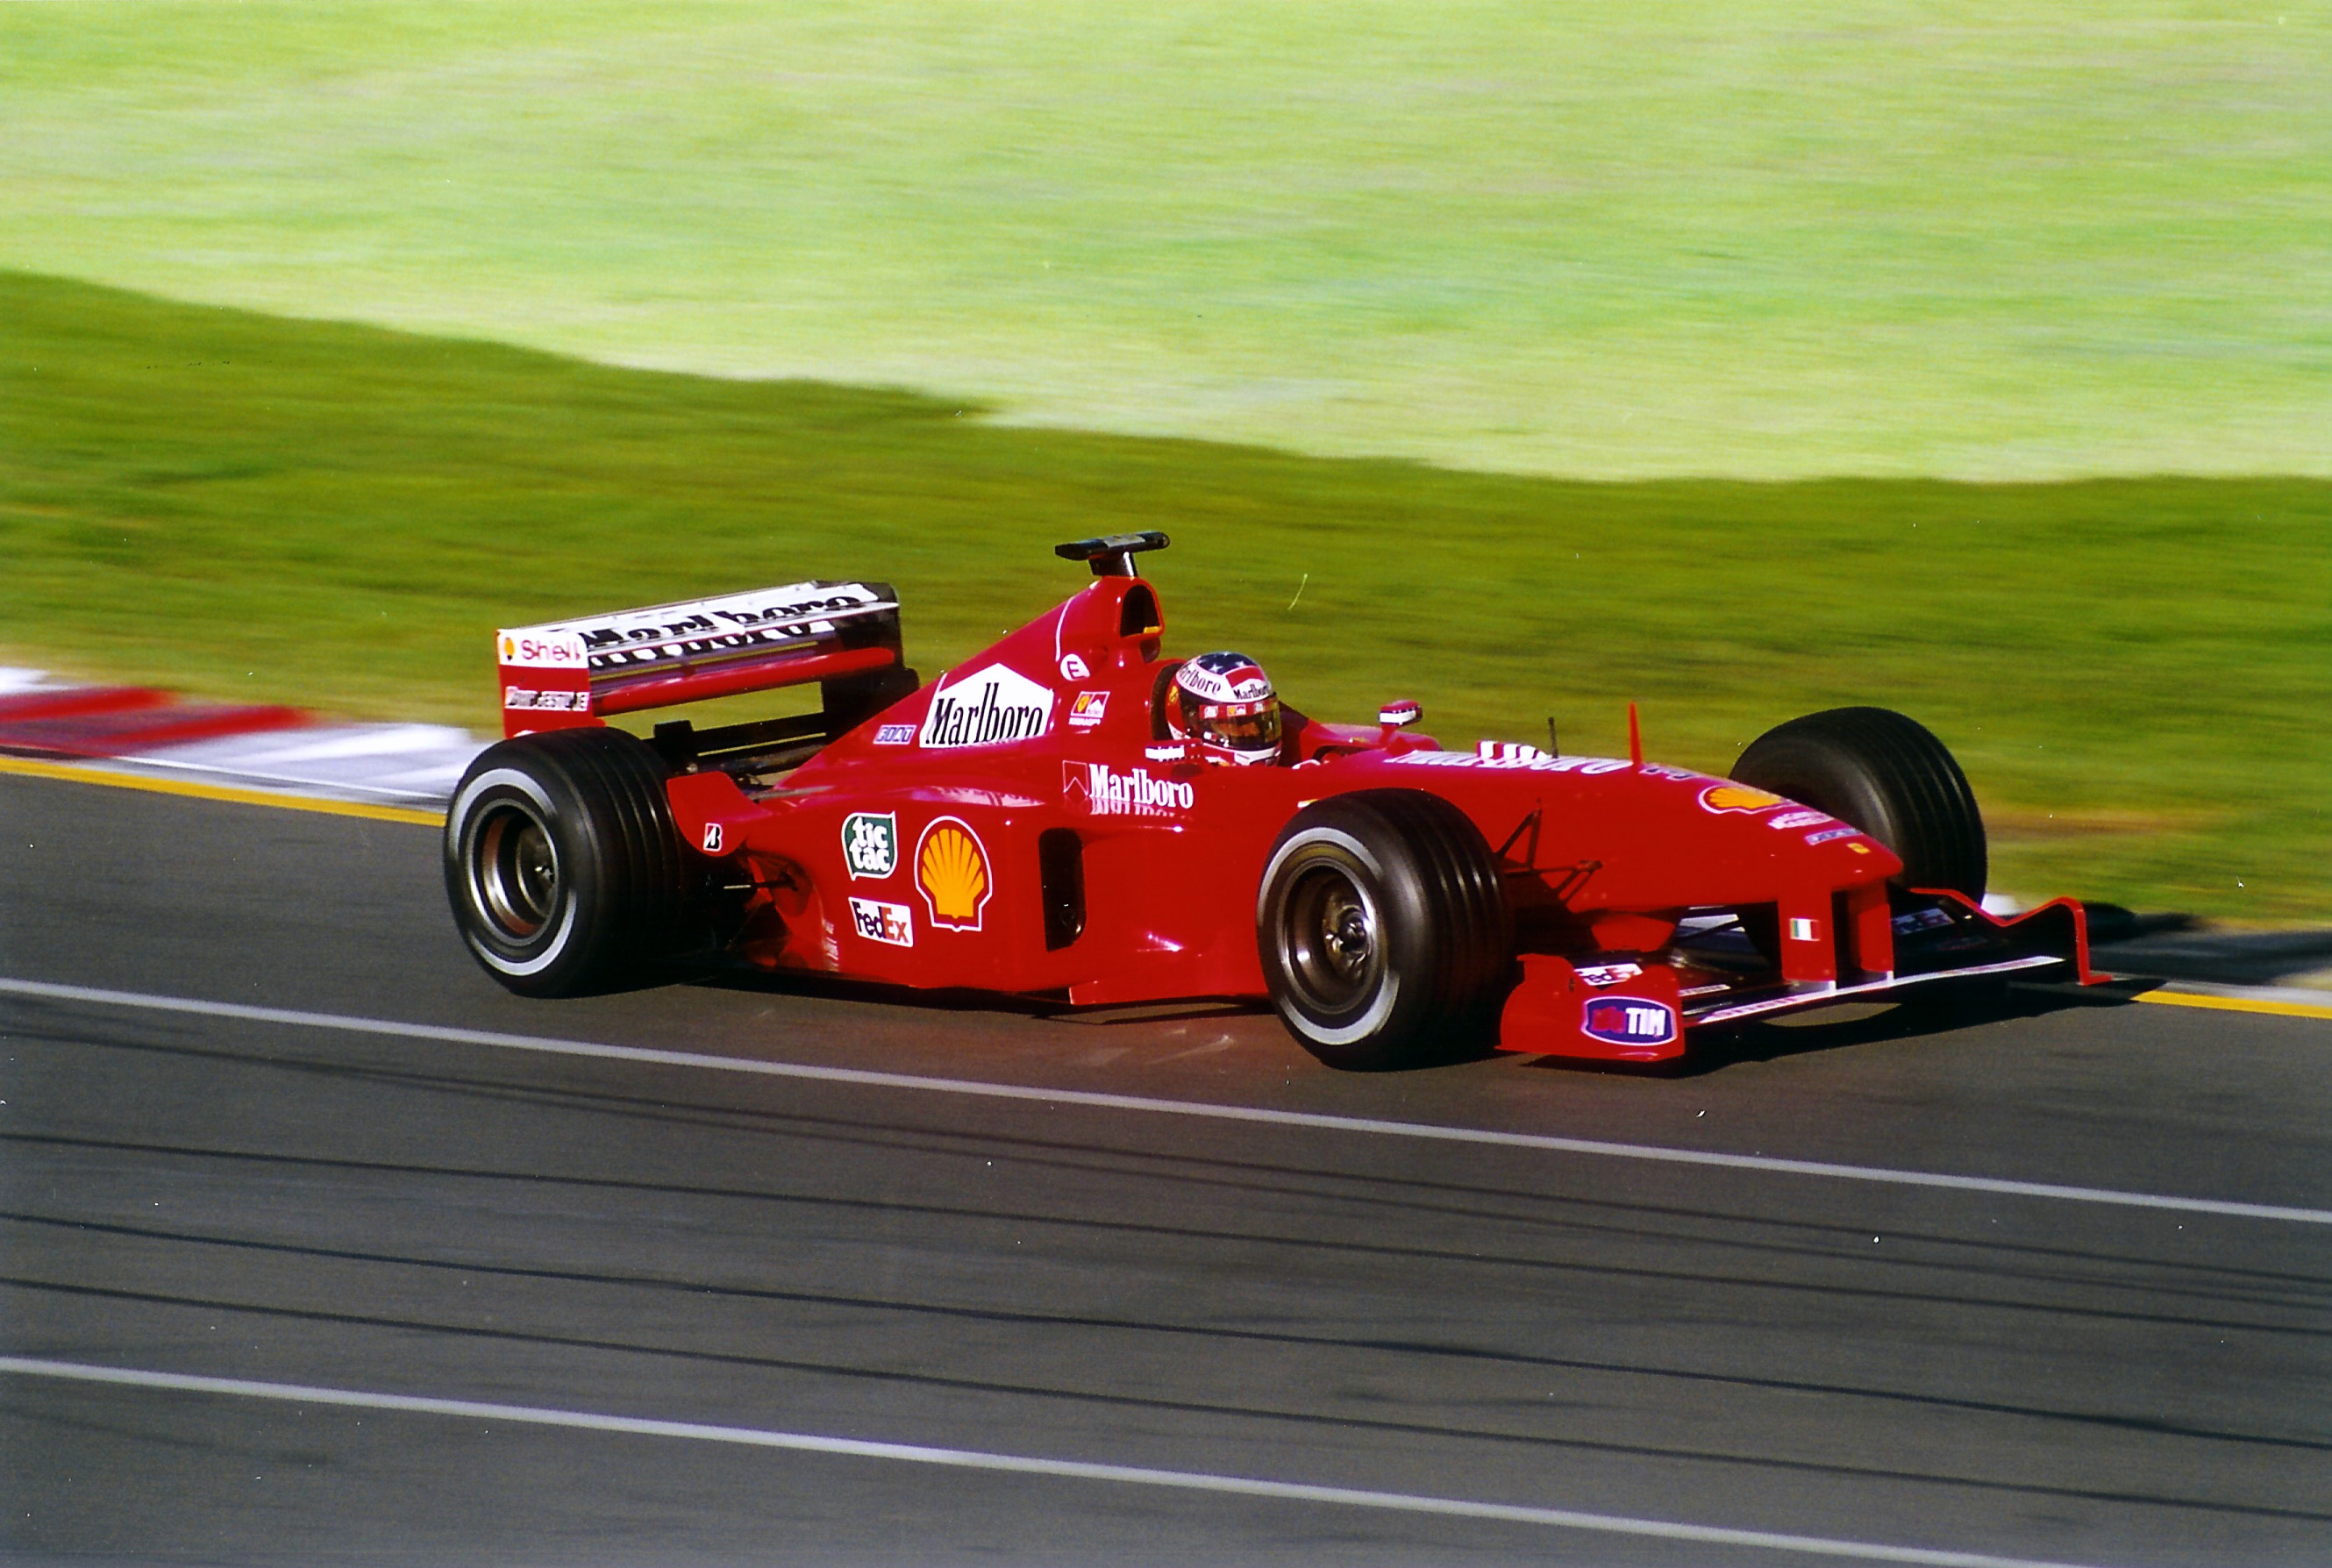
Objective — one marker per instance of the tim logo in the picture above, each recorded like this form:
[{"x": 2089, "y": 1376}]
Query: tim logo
[{"x": 1631, "y": 1021}]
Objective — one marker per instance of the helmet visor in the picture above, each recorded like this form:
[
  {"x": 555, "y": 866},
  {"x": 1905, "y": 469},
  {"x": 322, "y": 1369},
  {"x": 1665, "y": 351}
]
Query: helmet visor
[{"x": 1239, "y": 726}]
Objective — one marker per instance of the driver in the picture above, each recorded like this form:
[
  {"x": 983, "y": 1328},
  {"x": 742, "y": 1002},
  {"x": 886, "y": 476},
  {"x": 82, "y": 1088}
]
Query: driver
[{"x": 1225, "y": 703}]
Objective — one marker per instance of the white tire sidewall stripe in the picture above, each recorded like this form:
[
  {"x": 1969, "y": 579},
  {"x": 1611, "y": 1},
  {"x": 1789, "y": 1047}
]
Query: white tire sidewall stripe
[
  {"x": 457, "y": 821},
  {"x": 1389, "y": 992}
]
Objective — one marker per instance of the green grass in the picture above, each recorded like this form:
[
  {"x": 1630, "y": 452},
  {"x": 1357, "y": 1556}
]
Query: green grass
[
  {"x": 1770, "y": 239},
  {"x": 341, "y": 515}
]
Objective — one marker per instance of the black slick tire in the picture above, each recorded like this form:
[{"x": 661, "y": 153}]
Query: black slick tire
[
  {"x": 562, "y": 864},
  {"x": 1383, "y": 929},
  {"x": 1886, "y": 774}
]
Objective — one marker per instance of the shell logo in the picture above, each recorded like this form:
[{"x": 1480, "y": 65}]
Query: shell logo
[
  {"x": 951, "y": 872},
  {"x": 1737, "y": 798},
  {"x": 510, "y": 649}
]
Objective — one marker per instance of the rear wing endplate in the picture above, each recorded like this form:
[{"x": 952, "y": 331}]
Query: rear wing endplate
[{"x": 842, "y": 635}]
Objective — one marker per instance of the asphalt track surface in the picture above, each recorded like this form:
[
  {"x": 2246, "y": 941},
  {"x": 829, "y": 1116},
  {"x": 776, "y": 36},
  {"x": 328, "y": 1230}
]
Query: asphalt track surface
[{"x": 499, "y": 1301}]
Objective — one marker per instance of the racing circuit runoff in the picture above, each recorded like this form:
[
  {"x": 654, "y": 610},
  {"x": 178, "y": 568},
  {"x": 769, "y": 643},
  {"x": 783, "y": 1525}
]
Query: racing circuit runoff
[{"x": 324, "y": 1242}]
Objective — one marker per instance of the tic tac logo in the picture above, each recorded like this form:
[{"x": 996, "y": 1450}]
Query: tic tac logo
[
  {"x": 990, "y": 708},
  {"x": 952, "y": 873},
  {"x": 870, "y": 843},
  {"x": 1789, "y": 820},
  {"x": 1630, "y": 1021},
  {"x": 1737, "y": 798},
  {"x": 889, "y": 922},
  {"x": 1087, "y": 709}
]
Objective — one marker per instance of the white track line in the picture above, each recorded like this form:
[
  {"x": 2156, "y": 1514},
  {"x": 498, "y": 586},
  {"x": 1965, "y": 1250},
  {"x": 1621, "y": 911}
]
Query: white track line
[
  {"x": 1016, "y": 1464},
  {"x": 1307, "y": 1119}
]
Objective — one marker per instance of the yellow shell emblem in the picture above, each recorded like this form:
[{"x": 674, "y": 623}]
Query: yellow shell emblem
[
  {"x": 1737, "y": 798},
  {"x": 952, "y": 870}
]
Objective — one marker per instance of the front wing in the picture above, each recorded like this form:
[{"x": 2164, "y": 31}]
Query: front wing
[
  {"x": 1940, "y": 935},
  {"x": 1638, "y": 1008}
]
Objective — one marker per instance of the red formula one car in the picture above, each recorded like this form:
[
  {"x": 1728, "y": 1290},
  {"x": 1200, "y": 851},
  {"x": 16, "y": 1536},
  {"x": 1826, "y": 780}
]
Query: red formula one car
[{"x": 1050, "y": 818}]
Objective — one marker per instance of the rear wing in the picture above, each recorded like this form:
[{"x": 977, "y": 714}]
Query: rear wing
[{"x": 845, "y": 635}]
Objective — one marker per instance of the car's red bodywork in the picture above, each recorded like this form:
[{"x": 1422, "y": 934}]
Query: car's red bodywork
[{"x": 1021, "y": 826}]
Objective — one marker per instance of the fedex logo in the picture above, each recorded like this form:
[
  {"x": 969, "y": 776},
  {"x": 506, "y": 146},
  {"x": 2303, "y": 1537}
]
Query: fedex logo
[
  {"x": 1630, "y": 1021},
  {"x": 885, "y": 923}
]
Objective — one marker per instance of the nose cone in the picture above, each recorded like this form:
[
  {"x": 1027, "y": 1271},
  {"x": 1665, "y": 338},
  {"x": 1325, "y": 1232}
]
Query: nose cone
[
  {"x": 1616, "y": 834},
  {"x": 1667, "y": 839},
  {"x": 1745, "y": 798}
]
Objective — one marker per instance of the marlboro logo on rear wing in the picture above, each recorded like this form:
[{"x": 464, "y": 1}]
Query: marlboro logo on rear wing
[{"x": 577, "y": 672}]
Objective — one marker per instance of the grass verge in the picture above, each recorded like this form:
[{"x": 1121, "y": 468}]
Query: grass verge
[
  {"x": 2135, "y": 672},
  {"x": 1984, "y": 239}
]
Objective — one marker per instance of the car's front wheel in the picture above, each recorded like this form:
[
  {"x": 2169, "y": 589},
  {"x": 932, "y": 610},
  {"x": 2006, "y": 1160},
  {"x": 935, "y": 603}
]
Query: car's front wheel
[
  {"x": 1382, "y": 928},
  {"x": 1888, "y": 775},
  {"x": 562, "y": 864}
]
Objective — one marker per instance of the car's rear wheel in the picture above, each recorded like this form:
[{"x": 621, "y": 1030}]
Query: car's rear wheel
[
  {"x": 1886, "y": 774},
  {"x": 562, "y": 864},
  {"x": 1383, "y": 930}
]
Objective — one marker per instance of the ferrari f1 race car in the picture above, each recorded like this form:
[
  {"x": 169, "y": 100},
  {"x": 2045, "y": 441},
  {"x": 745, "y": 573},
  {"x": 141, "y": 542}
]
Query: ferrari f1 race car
[{"x": 1051, "y": 818}]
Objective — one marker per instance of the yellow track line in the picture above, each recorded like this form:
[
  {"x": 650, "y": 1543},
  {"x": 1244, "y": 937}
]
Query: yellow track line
[
  {"x": 29, "y": 769},
  {"x": 2240, "y": 1005}
]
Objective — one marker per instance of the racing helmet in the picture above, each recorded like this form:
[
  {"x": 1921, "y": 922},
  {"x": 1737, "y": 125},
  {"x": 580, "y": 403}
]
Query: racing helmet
[{"x": 1225, "y": 703}]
